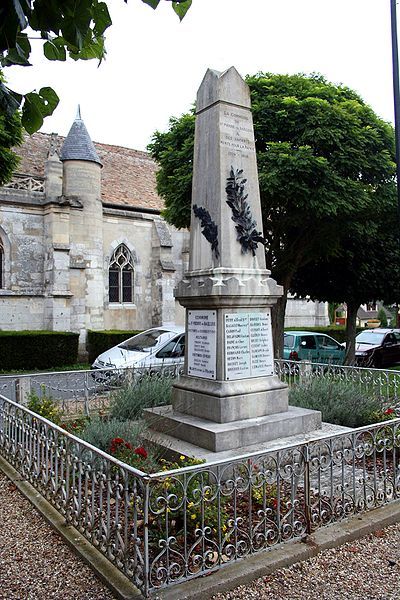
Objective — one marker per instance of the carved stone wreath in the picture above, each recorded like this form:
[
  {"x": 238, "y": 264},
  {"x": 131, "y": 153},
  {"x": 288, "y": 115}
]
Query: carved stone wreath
[
  {"x": 247, "y": 234},
  {"x": 210, "y": 229}
]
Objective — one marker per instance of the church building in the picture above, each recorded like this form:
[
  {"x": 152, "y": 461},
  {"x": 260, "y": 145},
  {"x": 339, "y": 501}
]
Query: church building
[{"x": 83, "y": 244}]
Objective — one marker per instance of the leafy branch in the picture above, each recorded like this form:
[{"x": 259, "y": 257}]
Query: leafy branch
[
  {"x": 210, "y": 229},
  {"x": 73, "y": 28},
  {"x": 247, "y": 234}
]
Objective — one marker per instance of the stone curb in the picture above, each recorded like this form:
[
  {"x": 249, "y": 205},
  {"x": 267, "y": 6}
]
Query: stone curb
[
  {"x": 228, "y": 577},
  {"x": 264, "y": 563},
  {"x": 119, "y": 585}
]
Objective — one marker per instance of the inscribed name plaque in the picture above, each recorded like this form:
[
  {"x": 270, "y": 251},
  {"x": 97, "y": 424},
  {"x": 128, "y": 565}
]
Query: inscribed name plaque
[
  {"x": 248, "y": 345},
  {"x": 202, "y": 342}
]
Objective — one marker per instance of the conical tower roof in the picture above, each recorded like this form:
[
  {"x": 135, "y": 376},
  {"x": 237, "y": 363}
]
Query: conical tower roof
[{"x": 77, "y": 144}]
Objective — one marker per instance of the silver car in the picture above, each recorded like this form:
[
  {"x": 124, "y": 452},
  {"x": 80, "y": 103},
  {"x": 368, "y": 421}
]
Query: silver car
[{"x": 153, "y": 349}]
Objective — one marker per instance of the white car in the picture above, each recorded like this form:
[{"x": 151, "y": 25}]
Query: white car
[{"x": 152, "y": 349}]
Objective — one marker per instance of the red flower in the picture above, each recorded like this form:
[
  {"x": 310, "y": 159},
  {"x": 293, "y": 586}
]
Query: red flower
[
  {"x": 140, "y": 451},
  {"x": 389, "y": 411},
  {"x": 128, "y": 445},
  {"x": 116, "y": 441},
  {"x": 275, "y": 503}
]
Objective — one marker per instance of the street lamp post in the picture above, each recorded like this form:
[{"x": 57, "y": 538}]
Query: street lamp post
[{"x": 396, "y": 96}]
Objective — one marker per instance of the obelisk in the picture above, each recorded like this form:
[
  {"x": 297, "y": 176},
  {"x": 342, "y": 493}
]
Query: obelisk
[{"x": 228, "y": 397}]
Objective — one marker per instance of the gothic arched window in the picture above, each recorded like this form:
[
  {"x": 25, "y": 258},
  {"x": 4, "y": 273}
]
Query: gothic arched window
[{"x": 120, "y": 276}]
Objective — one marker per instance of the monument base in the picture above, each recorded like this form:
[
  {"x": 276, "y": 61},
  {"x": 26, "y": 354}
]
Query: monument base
[
  {"x": 225, "y": 401},
  {"x": 219, "y": 437},
  {"x": 174, "y": 448}
]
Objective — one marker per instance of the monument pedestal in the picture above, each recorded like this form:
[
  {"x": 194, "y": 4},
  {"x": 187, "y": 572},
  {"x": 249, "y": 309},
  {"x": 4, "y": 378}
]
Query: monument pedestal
[
  {"x": 229, "y": 397},
  {"x": 219, "y": 437}
]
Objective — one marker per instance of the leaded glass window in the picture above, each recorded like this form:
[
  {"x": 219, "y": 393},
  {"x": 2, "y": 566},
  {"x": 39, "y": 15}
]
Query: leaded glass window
[{"x": 121, "y": 276}]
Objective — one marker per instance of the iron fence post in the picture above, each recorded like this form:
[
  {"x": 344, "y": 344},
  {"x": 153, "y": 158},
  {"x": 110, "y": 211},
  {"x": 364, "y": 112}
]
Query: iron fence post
[
  {"x": 307, "y": 488},
  {"x": 146, "y": 558}
]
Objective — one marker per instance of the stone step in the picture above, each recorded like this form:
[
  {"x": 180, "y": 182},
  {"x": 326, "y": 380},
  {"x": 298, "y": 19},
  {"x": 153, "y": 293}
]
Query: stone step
[{"x": 219, "y": 437}]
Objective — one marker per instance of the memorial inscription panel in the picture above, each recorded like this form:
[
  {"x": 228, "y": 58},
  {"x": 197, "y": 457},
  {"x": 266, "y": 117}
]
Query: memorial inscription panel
[
  {"x": 248, "y": 345},
  {"x": 202, "y": 342},
  {"x": 237, "y": 132}
]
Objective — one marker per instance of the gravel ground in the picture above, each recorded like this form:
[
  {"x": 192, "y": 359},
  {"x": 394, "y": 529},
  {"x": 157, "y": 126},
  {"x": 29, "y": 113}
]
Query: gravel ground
[
  {"x": 367, "y": 569},
  {"x": 35, "y": 564}
]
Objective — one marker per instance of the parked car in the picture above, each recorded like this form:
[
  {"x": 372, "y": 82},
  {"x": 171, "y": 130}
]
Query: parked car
[
  {"x": 378, "y": 347},
  {"x": 316, "y": 347},
  {"x": 153, "y": 349}
]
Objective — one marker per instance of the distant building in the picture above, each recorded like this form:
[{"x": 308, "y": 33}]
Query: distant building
[{"x": 83, "y": 245}]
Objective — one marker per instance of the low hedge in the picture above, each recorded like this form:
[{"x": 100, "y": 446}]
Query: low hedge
[
  {"x": 37, "y": 349},
  {"x": 336, "y": 331},
  {"x": 100, "y": 341}
]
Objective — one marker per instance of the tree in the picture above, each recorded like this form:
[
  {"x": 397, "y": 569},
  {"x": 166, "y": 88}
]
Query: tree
[
  {"x": 323, "y": 159},
  {"x": 364, "y": 269},
  {"x": 10, "y": 135},
  {"x": 66, "y": 27}
]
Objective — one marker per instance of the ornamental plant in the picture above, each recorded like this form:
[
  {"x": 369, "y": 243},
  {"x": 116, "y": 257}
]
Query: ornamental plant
[
  {"x": 188, "y": 503},
  {"x": 127, "y": 453},
  {"x": 44, "y": 405}
]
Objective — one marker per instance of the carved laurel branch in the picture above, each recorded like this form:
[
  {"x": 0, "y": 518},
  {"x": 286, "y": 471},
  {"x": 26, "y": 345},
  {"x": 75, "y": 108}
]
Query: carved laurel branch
[
  {"x": 210, "y": 229},
  {"x": 247, "y": 234}
]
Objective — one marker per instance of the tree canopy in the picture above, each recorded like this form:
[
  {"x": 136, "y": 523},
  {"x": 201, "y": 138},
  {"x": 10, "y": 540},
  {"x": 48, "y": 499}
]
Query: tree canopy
[
  {"x": 325, "y": 160},
  {"x": 364, "y": 269},
  {"x": 74, "y": 28},
  {"x": 10, "y": 135}
]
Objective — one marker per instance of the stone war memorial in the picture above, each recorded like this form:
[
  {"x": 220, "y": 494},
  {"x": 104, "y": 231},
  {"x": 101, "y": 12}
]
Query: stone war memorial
[{"x": 228, "y": 399}]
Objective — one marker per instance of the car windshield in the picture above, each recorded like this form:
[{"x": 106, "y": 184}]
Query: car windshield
[
  {"x": 288, "y": 341},
  {"x": 143, "y": 342},
  {"x": 370, "y": 337}
]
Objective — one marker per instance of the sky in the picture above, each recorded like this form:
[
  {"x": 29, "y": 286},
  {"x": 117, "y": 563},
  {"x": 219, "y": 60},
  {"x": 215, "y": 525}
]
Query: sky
[{"x": 155, "y": 63}]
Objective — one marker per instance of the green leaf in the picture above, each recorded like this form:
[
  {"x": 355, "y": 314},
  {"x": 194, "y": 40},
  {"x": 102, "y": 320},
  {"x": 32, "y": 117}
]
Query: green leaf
[
  {"x": 36, "y": 107},
  {"x": 12, "y": 21},
  {"x": 32, "y": 118},
  {"x": 19, "y": 54},
  {"x": 55, "y": 49},
  {"x": 101, "y": 18},
  {"x": 9, "y": 101},
  {"x": 181, "y": 8},
  {"x": 152, "y": 3},
  {"x": 92, "y": 48},
  {"x": 50, "y": 100}
]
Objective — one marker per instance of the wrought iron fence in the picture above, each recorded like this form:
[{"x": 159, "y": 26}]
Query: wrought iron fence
[
  {"x": 164, "y": 528},
  {"x": 80, "y": 392},
  {"x": 383, "y": 384},
  {"x": 87, "y": 392}
]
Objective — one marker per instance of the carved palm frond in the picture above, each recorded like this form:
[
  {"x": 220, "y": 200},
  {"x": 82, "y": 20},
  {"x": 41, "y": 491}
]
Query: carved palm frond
[
  {"x": 210, "y": 229},
  {"x": 246, "y": 226}
]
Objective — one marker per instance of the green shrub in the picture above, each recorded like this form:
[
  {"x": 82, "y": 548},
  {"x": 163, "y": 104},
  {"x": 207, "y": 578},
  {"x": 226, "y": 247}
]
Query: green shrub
[
  {"x": 103, "y": 434},
  {"x": 340, "y": 402},
  {"x": 100, "y": 432},
  {"x": 44, "y": 405},
  {"x": 100, "y": 341},
  {"x": 128, "y": 402},
  {"x": 382, "y": 317},
  {"x": 37, "y": 349},
  {"x": 338, "y": 332}
]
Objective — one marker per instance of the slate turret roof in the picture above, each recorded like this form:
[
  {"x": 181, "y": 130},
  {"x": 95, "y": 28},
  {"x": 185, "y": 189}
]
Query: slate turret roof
[{"x": 78, "y": 144}]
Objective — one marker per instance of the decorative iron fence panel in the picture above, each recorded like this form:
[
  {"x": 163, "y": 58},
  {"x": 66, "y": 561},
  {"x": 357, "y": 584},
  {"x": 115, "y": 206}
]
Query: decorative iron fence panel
[
  {"x": 384, "y": 384},
  {"x": 79, "y": 392},
  {"x": 164, "y": 528},
  {"x": 100, "y": 496}
]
